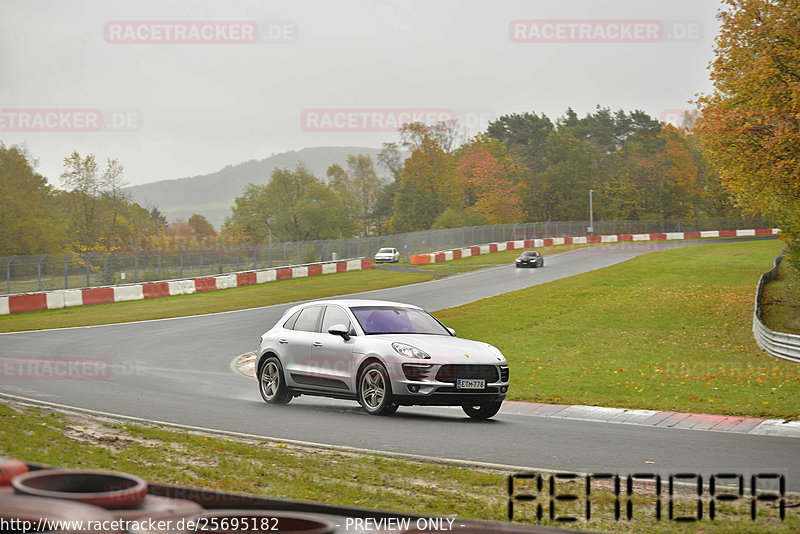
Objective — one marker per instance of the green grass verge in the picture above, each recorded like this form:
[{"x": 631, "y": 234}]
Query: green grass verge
[
  {"x": 326, "y": 476},
  {"x": 213, "y": 301},
  {"x": 665, "y": 331},
  {"x": 778, "y": 310}
]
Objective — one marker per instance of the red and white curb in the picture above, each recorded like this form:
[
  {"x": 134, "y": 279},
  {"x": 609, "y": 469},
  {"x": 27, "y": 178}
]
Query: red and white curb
[
  {"x": 245, "y": 365},
  {"x": 63, "y": 298},
  {"x": 455, "y": 254}
]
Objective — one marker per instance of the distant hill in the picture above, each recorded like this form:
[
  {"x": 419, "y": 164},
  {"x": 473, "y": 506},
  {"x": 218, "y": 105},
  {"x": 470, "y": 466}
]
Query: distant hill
[{"x": 213, "y": 194}]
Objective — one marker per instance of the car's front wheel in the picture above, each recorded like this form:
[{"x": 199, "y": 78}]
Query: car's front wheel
[
  {"x": 482, "y": 411},
  {"x": 271, "y": 383},
  {"x": 375, "y": 390}
]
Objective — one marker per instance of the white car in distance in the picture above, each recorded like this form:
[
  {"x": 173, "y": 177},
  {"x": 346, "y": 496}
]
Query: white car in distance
[{"x": 387, "y": 255}]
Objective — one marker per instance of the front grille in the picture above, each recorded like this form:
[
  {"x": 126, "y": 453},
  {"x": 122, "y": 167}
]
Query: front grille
[
  {"x": 416, "y": 371},
  {"x": 503, "y": 373},
  {"x": 452, "y": 372}
]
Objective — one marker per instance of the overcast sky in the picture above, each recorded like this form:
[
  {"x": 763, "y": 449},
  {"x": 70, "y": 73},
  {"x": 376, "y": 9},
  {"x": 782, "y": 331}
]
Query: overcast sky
[{"x": 249, "y": 79}]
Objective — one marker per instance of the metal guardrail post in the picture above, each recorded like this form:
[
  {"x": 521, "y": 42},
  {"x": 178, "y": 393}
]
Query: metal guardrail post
[
  {"x": 66, "y": 270},
  {"x": 8, "y": 273},
  {"x": 39, "y": 273},
  {"x": 778, "y": 344}
]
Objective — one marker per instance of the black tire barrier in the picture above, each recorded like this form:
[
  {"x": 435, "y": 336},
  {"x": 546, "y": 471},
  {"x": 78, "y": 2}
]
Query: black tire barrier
[
  {"x": 105, "y": 489},
  {"x": 254, "y": 521},
  {"x": 38, "y": 510},
  {"x": 9, "y": 468},
  {"x": 122, "y": 501}
]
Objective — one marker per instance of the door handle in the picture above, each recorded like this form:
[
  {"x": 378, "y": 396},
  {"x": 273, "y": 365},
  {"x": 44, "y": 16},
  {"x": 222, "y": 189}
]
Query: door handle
[
  {"x": 316, "y": 344},
  {"x": 283, "y": 341}
]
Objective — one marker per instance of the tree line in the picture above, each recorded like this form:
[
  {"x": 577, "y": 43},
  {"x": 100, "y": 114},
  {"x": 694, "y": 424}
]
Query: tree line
[
  {"x": 525, "y": 167},
  {"x": 91, "y": 212}
]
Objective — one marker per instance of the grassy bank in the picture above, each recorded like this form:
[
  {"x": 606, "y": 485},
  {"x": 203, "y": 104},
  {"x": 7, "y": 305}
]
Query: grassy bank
[
  {"x": 665, "y": 331},
  {"x": 214, "y": 301},
  {"x": 330, "y": 477}
]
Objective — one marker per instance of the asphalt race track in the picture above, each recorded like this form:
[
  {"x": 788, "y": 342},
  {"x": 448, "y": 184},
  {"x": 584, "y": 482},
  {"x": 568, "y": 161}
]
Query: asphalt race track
[{"x": 178, "y": 371}]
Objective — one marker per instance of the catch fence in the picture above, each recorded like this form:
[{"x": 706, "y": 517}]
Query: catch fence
[{"x": 22, "y": 274}]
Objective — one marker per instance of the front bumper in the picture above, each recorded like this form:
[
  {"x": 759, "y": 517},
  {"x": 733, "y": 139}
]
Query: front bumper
[{"x": 426, "y": 389}]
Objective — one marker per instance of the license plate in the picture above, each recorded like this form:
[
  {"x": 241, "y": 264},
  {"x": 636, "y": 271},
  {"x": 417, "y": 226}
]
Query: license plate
[{"x": 470, "y": 384}]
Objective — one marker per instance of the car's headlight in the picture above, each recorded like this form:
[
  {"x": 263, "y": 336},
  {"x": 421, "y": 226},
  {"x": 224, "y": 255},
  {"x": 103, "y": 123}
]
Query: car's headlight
[
  {"x": 496, "y": 352},
  {"x": 410, "y": 352}
]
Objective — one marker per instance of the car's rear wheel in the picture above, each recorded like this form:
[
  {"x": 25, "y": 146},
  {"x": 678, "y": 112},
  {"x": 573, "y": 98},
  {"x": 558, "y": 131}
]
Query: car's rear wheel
[
  {"x": 482, "y": 411},
  {"x": 272, "y": 384},
  {"x": 375, "y": 390}
]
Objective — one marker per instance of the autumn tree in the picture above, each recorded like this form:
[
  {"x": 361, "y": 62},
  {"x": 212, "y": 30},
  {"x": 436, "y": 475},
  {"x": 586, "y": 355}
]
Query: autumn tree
[
  {"x": 157, "y": 219},
  {"x": 392, "y": 157},
  {"x": 485, "y": 170},
  {"x": 29, "y": 215},
  {"x": 570, "y": 170},
  {"x": 200, "y": 226},
  {"x": 293, "y": 206},
  {"x": 90, "y": 187},
  {"x": 428, "y": 185},
  {"x": 749, "y": 124},
  {"x": 358, "y": 188},
  {"x": 525, "y": 134}
]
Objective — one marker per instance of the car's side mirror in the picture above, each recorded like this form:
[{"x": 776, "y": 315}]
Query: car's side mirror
[
  {"x": 339, "y": 330},
  {"x": 452, "y": 332}
]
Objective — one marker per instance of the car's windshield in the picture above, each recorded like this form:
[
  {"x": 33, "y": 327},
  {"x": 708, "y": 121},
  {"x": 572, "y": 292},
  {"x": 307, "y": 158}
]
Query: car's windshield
[
  {"x": 385, "y": 250},
  {"x": 396, "y": 320},
  {"x": 528, "y": 254}
]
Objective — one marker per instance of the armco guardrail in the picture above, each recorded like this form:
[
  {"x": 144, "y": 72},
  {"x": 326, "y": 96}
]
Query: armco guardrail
[{"x": 778, "y": 344}]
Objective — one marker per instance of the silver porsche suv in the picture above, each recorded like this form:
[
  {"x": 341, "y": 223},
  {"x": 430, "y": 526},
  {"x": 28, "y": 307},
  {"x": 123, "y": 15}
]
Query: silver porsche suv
[{"x": 383, "y": 354}]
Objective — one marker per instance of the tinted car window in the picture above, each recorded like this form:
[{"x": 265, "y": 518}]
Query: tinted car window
[
  {"x": 389, "y": 320},
  {"x": 293, "y": 319},
  {"x": 307, "y": 321},
  {"x": 335, "y": 315}
]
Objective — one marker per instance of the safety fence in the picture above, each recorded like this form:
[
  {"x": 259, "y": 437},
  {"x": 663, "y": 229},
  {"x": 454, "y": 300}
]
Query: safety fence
[
  {"x": 25, "y": 274},
  {"x": 65, "y": 298},
  {"x": 466, "y": 252},
  {"x": 778, "y": 344}
]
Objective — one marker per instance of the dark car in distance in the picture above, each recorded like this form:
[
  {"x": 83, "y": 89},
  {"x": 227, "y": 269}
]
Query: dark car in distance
[{"x": 530, "y": 258}]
